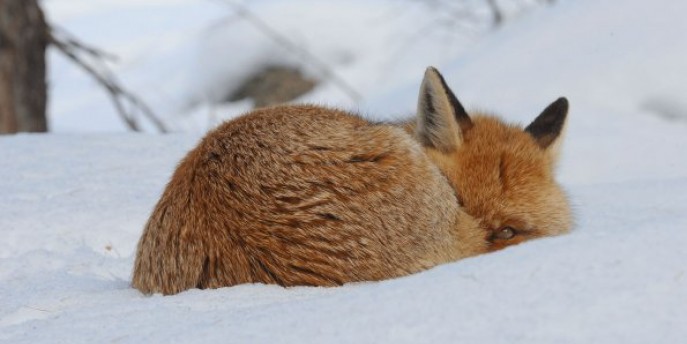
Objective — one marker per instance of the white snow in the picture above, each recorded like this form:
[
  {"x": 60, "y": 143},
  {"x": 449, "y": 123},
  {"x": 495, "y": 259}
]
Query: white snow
[{"x": 73, "y": 203}]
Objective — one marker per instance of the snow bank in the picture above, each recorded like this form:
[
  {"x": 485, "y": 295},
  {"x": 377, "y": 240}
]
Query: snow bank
[{"x": 70, "y": 224}]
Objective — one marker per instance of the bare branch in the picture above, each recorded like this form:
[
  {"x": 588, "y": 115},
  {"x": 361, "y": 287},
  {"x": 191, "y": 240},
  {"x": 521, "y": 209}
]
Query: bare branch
[
  {"x": 120, "y": 97},
  {"x": 71, "y": 40}
]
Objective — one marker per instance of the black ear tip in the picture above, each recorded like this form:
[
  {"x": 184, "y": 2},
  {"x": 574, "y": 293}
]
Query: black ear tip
[{"x": 562, "y": 104}]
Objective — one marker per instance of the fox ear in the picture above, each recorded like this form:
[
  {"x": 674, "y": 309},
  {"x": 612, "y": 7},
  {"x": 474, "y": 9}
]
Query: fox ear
[
  {"x": 441, "y": 119},
  {"x": 548, "y": 126}
]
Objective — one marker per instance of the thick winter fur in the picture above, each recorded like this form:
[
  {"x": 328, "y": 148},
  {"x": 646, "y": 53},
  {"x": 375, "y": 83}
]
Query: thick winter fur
[{"x": 305, "y": 195}]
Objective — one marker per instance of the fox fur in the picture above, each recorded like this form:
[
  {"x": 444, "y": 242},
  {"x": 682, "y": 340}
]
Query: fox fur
[{"x": 306, "y": 195}]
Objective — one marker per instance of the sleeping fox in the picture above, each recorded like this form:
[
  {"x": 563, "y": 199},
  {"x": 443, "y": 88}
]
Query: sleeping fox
[{"x": 306, "y": 195}]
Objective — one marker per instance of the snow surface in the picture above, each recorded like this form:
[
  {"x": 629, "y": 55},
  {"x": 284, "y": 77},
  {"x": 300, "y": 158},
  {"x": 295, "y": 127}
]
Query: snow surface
[{"x": 72, "y": 206}]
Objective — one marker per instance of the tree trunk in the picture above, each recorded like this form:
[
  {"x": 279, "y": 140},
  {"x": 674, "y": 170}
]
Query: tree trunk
[{"x": 23, "y": 90}]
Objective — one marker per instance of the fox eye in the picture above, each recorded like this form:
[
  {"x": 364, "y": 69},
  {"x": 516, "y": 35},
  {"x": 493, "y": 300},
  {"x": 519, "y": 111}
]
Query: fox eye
[{"x": 504, "y": 233}]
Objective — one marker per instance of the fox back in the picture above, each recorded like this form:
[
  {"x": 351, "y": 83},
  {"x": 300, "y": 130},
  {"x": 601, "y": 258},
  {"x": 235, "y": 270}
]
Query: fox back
[{"x": 305, "y": 195}]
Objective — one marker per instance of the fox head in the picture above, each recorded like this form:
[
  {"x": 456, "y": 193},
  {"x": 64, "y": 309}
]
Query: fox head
[{"x": 503, "y": 175}]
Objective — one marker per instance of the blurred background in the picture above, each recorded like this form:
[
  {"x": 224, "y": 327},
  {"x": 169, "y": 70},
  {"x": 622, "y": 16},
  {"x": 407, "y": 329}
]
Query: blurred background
[{"x": 186, "y": 65}]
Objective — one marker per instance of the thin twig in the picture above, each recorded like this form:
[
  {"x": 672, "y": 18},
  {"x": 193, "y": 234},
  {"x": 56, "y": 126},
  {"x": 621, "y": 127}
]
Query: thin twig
[
  {"x": 71, "y": 40},
  {"x": 71, "y": 48}
]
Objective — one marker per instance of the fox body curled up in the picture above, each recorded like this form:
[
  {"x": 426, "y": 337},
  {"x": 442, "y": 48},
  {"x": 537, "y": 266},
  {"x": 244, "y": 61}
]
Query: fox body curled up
[{"x": 305, "y": 195}]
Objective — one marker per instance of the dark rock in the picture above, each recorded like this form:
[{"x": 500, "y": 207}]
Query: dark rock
[{"x": 273, "y": 85}]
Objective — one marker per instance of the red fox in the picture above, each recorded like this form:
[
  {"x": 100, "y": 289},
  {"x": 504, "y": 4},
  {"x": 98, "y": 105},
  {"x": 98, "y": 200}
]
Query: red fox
[{"x": 306, "y": 195}]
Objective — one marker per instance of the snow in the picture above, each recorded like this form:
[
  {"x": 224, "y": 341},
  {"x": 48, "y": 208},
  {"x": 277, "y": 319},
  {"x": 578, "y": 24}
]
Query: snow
[{"x": 73, "y": 203}]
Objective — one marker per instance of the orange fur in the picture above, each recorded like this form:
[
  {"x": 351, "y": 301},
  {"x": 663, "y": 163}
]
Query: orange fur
[
  {"x": 505, "y": 180},
  {"x": 305, "y": 195}
]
